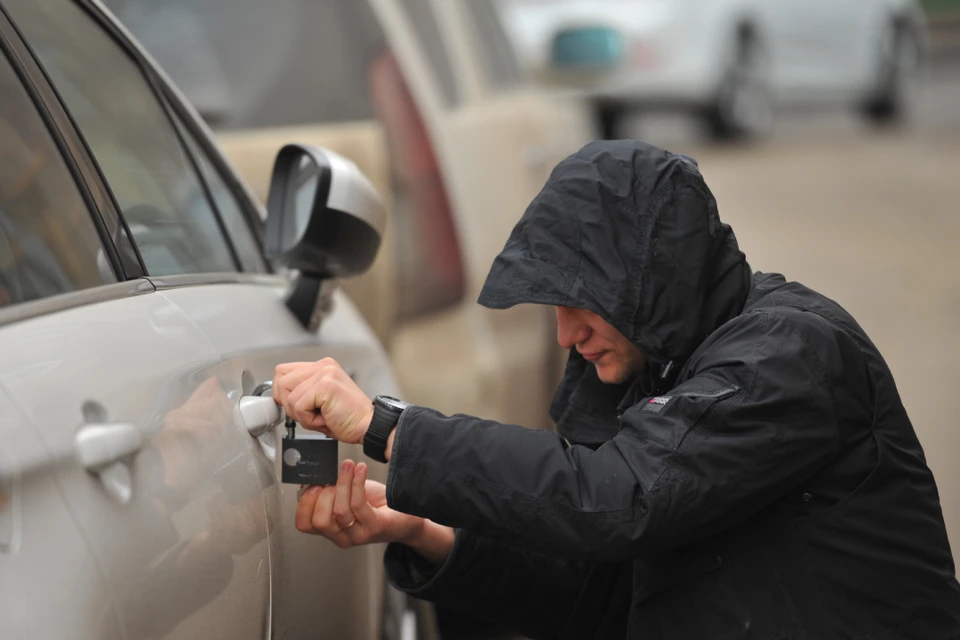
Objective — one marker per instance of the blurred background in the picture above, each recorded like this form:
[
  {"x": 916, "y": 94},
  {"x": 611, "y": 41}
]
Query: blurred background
[{"x": 829, "y": 130}]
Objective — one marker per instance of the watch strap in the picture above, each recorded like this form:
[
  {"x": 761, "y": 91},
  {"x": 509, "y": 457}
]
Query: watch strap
[{"x": 383, "y": 422}]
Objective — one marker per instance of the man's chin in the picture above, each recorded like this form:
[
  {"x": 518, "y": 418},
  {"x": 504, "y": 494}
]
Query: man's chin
[{"x": 609, "y": 375}]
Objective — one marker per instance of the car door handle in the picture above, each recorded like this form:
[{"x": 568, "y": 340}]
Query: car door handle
[
  {"x": 101, "y": 445},
  {"x": 259, "y": 414}
]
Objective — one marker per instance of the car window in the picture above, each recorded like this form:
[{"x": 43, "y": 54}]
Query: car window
[
  {"x": 424, "y": 21},
  {"x": 48, "y": 241},
  {"x": 495, "y": 50},
  {"x": 137, "y": 146},
  {"x": 249, "y": 64},
  {"x": 244, "y": 241}
]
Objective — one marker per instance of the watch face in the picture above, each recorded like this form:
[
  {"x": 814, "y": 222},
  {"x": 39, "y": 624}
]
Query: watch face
[{"x": 392, "y": 403}]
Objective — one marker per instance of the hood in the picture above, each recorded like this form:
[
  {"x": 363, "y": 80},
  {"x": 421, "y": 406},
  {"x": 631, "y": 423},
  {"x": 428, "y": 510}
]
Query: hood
[{"x": 630, "y": 232}]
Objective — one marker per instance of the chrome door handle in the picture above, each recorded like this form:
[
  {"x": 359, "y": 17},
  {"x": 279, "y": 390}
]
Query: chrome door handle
[{"x": 101, "y": 445}]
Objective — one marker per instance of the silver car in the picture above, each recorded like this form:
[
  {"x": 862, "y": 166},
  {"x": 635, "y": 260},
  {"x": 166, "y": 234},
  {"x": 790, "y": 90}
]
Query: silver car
[{"x": 140, "y": 324}]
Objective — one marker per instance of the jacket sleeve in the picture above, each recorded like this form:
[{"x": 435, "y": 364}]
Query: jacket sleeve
[
  {"x": 524, "y": 591},
  {"x": 756, "y": 419}
]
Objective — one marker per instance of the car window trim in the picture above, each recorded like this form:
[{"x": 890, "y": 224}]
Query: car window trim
[
  {"x": 73, "y": 299},
  {"x": 175, "y": 107},
  {"x": 98, "y": 199},
  {"x": 182, "y": 280}
]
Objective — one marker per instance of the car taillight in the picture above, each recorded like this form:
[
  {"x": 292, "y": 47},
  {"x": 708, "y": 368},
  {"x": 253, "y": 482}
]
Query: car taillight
[{"x": 429, "y": 264}]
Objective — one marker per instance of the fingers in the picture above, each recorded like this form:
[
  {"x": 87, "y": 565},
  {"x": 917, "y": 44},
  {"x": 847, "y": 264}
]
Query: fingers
[
  {"x": 362, "y": 510},
  {"x": 306, "y": 401},
  {"x": 342, "y": 508},
  {"x": 306, "y": 508},
  {"x": 286, "y": 377}
]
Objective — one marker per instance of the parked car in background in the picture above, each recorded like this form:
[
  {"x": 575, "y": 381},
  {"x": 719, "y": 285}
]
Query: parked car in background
[
  {"x": 140, "y": 325},
  {"x": 733, "y": 63},
  {"x": 427, "y": 97}
]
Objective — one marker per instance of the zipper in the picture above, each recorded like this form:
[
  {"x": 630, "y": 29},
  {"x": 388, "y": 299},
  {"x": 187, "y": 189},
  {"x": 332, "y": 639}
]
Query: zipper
[{"x": 722, "y": 393}]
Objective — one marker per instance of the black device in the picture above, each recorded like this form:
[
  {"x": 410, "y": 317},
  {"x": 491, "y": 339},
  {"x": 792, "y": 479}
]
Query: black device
[
  {"x": 310, "y": 459},
  {"x": 386, "y": 414}
]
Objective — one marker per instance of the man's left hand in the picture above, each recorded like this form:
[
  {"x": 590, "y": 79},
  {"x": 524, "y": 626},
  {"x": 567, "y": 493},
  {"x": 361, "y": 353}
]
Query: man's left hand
[{"x": 322, "y": 397}]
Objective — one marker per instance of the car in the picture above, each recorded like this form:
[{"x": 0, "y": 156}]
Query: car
[
  {"x": 144, "y": 306},
  {"x": 429, "y": 100},
  {"x": 732, "y": 63}
]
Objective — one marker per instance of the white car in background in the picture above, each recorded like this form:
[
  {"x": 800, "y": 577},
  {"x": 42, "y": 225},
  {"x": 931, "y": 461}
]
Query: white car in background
[{"x": 731, "y": 62}]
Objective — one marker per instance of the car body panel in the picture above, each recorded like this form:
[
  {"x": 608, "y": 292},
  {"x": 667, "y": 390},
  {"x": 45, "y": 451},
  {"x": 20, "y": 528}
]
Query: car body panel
[
  {"x": 512, "y": 139},
  {"x": 43, "y": 555},
  {"x": 252, "y": 331},
  {"x": 140, "y": 361}
]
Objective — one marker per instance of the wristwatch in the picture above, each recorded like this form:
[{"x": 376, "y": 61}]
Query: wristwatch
[{"x": 386, "y": 414}]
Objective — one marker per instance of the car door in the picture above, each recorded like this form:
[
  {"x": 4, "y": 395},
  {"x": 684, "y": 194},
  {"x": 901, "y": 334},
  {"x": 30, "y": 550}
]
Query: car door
[
  {"x": 803, "y": 39},
  {"x": 50, "y": 257},
  {"x": 44, "y": 558},
  {"x": 121, "y": 385},
  {"x": 496, "y": 141}
]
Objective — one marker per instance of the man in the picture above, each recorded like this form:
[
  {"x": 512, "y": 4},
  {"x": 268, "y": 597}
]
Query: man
[{"x": 732, "y": 459}]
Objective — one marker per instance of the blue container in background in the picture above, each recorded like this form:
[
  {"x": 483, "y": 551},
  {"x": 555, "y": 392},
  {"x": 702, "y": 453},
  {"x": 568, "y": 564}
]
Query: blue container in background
[{"x": 587, "y": 47}]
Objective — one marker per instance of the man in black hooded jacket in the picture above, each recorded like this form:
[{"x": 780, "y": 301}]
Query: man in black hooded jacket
[{"x": 731, "y": 460}]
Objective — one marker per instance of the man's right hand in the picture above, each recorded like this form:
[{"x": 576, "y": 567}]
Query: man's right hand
[{"x": 354, "y": 512}]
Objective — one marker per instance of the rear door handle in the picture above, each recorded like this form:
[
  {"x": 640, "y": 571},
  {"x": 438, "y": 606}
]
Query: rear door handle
[
  {"x": 103, "y": 449},
  {"x": 101, "y": 445}
]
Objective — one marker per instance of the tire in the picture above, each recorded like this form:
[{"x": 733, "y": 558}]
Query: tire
[
  {"x": 743, "y": 107},
  {"x": 609, "y": 117},
  {"x": 889, "y": 103}
]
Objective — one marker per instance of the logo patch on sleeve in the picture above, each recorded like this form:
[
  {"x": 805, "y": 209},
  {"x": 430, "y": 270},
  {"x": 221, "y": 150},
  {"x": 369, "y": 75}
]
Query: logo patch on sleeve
[{"x": 656, "y": 405}]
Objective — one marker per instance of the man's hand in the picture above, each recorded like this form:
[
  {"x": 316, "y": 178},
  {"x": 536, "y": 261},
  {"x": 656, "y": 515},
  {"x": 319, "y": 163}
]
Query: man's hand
[
  {"x": 322, "y": 397},
  {"x": 355, "y": 512}
]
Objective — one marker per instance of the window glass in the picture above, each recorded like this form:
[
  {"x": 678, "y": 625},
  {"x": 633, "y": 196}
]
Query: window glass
[
  {"x": 498, "y": 57},
  {"x": 424, "y": 20},
  {"x": 48, "y": 241},
  {"x": 132, "y": 136},
  {"x": 244, "y": 240}
]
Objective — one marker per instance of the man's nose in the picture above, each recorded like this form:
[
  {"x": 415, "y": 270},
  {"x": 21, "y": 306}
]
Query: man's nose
[{"x": 570, "y": 330}]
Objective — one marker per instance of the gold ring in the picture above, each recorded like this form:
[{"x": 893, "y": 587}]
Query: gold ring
[{"x": 352, "y": 522}]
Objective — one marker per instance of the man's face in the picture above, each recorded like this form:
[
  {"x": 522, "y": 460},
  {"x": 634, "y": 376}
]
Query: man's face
[{"x": 616, "y": 358}]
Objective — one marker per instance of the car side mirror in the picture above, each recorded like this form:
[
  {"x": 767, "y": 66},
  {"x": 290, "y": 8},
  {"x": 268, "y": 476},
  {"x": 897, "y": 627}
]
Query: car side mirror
[{"x": 324, "y": 220}]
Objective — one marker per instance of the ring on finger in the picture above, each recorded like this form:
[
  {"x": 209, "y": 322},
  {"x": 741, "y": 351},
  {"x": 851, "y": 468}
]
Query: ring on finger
[{"x": 352, "y": 522}]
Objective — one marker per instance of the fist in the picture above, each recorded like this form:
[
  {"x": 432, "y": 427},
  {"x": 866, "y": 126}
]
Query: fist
[{"x": 322, "y": 397}]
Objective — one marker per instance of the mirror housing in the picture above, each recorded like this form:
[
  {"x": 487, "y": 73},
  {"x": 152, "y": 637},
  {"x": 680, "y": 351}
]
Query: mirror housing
[{"x": 324, "y": 218}]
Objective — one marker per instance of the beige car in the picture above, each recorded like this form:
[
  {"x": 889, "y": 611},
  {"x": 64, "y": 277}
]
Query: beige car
[{"x": 427, "y": 98}]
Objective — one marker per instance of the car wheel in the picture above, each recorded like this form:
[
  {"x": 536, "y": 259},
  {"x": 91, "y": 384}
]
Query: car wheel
[
  {"x": 743, "y": 107},
  {"x": 899, "y": 60},
  {"x": 608, "y": 119}
]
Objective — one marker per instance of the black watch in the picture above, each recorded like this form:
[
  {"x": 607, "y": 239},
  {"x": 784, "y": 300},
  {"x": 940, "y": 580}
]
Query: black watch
[{"x": 386, "y": 414}]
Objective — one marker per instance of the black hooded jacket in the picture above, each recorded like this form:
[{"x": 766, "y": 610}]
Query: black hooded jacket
[{"x": 760, "y": 480}]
